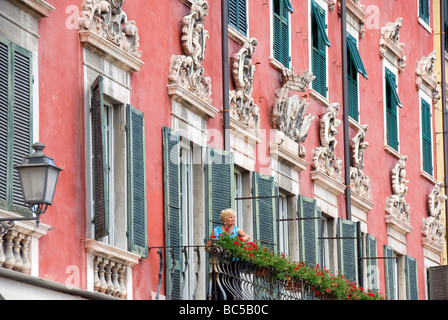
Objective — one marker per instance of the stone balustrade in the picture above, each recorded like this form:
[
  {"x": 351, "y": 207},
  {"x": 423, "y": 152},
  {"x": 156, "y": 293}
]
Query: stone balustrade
[
  {"x": 15, "y": 251},
  {"x": 109, "y": 277}
]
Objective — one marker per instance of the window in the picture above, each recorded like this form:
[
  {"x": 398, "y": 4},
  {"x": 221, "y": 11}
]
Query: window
[
  {"x": 113, "y": 218},
  {"x": 283, "y": 224},
  {"x": 392, "y": 103},
  {"x": 319, "y": 51},
  {"x": 426, "y": 137},
  {"x": 355, "y": 66},
  {"x": 326, "y": 263},
  {"x": 281, "y": 10},
  {"x": 238, "y": 15},
  {"x": 16, "y": 83},
  {"x": 423, "y": 10}
]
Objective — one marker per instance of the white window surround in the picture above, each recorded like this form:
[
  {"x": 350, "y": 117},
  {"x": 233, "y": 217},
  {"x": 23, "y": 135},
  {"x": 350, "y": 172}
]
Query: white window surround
[{"x": 423, "y": 95}]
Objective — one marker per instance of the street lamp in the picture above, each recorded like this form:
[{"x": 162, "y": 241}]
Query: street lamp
[{"x": 38, "y": 177}]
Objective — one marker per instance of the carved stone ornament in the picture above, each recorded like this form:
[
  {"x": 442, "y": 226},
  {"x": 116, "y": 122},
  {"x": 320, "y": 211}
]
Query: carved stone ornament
[
  {"x": 359, "y": 182},
  {"x": 425, "y": 75},
  {"x": 357, "y": 11},
  {"x": 433, "y": 228},
  {"x": 242, "y": 105},
  {"x": 390, "y": 42},
  {"x": 288, "y": 113},
  {"x": 396, "y": 204},
  {"x": 324, "y": 158},
  {"x": 186, "y": 70},
  {"x": 105, "y": 18}
]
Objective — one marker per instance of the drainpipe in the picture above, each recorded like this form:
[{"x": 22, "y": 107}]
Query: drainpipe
[
  {"x": 444, "y": 113},
  {"x": 345, "y": 109},
  {"x": 225, "y": 72}
]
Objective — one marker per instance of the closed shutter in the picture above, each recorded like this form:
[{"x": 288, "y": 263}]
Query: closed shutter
[
  {"x": 220, "y": 183},
  {"x": 352, "y": 85},
  {"x": 426, "y": 137},
  {"x": 135, "y": 137},
  {"x": 389, "y": 272},
  {"x": 172, "y": 211},
  {"x": 281, "y": 32},
  {"x": 438, "y": 283},
  {"x": 310, "y": 226},
  {"x": 392, "y": 100},
  {"x": 348, "y": 249},
  {"x": 372, "y": 263},
  {"x": 238, "y": 16},
  {"x": 424, "y": 10},
  {"x": 100, "y": 168},
  {"x": 319, "y": 53},
  {"x": 16, "y": 83},
  {"x": 264, "y": 192},
  {"x": 411, "y": 278}
]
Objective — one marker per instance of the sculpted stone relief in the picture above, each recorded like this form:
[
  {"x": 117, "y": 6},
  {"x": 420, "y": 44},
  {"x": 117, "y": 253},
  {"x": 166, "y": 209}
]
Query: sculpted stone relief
[
  {"x": 359, "y": 182},
  {"x": 396, "y": 204},
  {"x": 242, "y": 105},
  {"x": 390, "y": 42},
  {"x": 186, "y": 70},
  {"x": 289, "y": 112},
  {"x": 324, "y": 158},
  {"x": 433, "y": 228},
  {"x": 105, "y": 18},
  {"x": 425, "y": 74}
]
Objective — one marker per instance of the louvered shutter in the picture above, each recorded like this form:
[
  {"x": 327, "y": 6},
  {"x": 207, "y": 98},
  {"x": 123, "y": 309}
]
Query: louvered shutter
[
  {"x": 438, "y": 283},
  {"x": 348, "y": 249},
  {"x": 389, "y": 272},
  {"x": 355, "y": 56},
  {"x": 426, "y": 137},
  {"x": 135, "y": 138},
  {"x": 5, "y": 97},
  {"x": 411, "y": 278},
  {"x": 319, "y": 43},
  {"x": 238, "y": 16},
  {"x": 392, "y": 100},
  {"x": 309, "y": 230},
  {"x": 172, "y": 210},
  {"x": 281, "y": 32},
  {"x": 424, "y": 10},
  {"x": 352, "y": 85},
  {"x": 220, "y": 184},
  {"x": 264, "y": 191},
  {"x": 100, "y": 167},
  {"x": 372, "y": 264}
]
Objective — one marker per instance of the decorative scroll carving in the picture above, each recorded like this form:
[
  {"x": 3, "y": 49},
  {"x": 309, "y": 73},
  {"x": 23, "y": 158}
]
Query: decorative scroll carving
[
  {"x": 324, "y": 158},
  {"x": 433, "y": 228},
  {"x": 390, "y": 42},
  {"x": 105, "y": 18},
  {"x": 359, "y": 182},
  {"x": 242, "y": 105},
  {"x": 425, "y": 74},
  {"x": 396, "y": 204},
  {"x": 186, "y": 70},
  {"x": 288, "y": 114}
]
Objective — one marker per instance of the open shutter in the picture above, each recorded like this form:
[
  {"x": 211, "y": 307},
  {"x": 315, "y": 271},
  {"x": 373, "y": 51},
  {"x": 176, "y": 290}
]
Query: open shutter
[
  {"x": 135, "y": 135},
  {"x": 411, "y": 278},
  {"x": 310, "y": 226},
  {"x": 348, "y": 249},
  {"x": 438, "y": 283},
  {"x": 319, "y": 51},
  {"x": 391, "y": 81},
  {"x": 264, "y": 191},
  {"x": 220, "y": 184},
  {"x": 389, "y": 272},
  {"x": 372, "y": 264},
  {"x": 319, "y": 14},
  {"x": 5, "y": 97},
  {"x": 353, "y": 52},
  {"x": 101, "y": 197},
  {"x": 426, "y": 137},
  {"x": 172, "y": 211},
  {"x": 392, "y": 100}
]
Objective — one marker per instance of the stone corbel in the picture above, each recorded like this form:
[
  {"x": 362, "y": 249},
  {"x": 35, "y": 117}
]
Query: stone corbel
[
  {"x": 359, "y": 182},
  {"x": 37, "y": 8},
  {"x": 433, "y": 229},
  {"x": 390, "y": 43},
  {"x": 425, "y": 76}
]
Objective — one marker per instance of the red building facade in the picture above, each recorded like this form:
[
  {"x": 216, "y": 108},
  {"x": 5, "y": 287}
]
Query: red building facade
[{"x": 160, "y": 118}]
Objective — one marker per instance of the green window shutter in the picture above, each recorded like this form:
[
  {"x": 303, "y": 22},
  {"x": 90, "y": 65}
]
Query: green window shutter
[
  {"x": 16, "y": 83},
  {"x": 238, "y": 15},
  {"x": 372, "y": 264},
  {"x": 348, "y": 249},
  {"x": 265, "y": 228},
  {"x": 424, "y": 10},
  {"x": 172, "y": 211},
  {"x": 135, "y": 138},
  {"x": 309, "y": 230},
  {"x": 411, "y": 278},
  {"x": 354, "y": 55},
  {"x": 352, "y": 85},
  {"x": 100, "y": 167},
  {"x": 438, "y": 282},
  {"x": 389, "y": 272},
  {"x": 220, "y": 184},
  {"x": 426, "y": 137},
  {"x": 319, "y": 53},
  {"x": 281, "y": 32},
  {"x": 392, "y": 100}
]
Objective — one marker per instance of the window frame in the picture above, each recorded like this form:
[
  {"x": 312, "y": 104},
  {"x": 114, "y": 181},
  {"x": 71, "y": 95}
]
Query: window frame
[{"x": 283, "y": 7}]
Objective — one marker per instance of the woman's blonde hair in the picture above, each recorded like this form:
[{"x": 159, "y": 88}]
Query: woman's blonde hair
[{"x": 226, "y": 213}]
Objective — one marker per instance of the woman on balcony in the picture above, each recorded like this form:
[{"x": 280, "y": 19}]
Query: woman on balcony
[{"x": 228, "y": 218}]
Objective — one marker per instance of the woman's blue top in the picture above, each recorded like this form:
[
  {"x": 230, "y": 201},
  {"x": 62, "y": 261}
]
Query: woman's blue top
[{"x": 219, "y": 231}]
